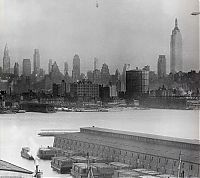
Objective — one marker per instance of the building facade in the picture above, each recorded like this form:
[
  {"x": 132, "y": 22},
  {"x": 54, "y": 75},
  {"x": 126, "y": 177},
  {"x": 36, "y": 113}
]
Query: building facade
[
  {"x": 161, "y": 66},
  {"x": 97, "y": 76},
  {"x": 27, "y": 67},
  {"x": 6, "y": 60},
  {"x": 76, "y": 68},
  {"x": 50, "y": 66},
  {"x": 105, "y": 74},
  {"x": 176, "y": 61},
  {"x": 16, "y": 69},
  {"x": 152, "y": 152},
  {"x": 137, "y": 83},
  {"x": 36, "y": 61},
  {"x": 66, "y": 68},
  {"x": 95, "y": 63},
  {"x": 85, "y": 90}
]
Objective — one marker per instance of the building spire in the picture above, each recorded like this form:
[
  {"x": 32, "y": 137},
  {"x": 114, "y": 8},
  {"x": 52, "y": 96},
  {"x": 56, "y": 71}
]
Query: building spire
[
  {"x": 176, "y": 23},
  {"x": 6, "y": 47}
]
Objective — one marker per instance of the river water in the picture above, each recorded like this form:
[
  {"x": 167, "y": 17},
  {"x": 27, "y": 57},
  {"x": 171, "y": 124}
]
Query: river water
[{"x": 19, "y": 130}]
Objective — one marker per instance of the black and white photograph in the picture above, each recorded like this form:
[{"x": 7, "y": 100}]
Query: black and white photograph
[{"x": 99, "y": 89}]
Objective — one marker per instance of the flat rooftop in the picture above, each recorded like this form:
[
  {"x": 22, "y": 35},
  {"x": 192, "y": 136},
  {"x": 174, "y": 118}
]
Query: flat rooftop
[{"x": 144, "y": 135}]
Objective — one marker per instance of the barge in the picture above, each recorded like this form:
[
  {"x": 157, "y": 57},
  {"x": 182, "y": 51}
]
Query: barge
[
  {"x": 47, "y": 153},
  {"x": 61, "y": 164},
  {"x": 97, "y": 170},
  {"x": 37, "y": 107}
]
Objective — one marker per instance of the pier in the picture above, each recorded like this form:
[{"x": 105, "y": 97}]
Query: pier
[{"x": 152, "y": 152}]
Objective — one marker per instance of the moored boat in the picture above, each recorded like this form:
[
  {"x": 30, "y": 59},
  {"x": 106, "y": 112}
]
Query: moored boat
[
  {"x": 47, "y": 153},
  {"x": 25, "y": 153},
  {"x": 37, "y": 107},
  {"x": 61, "y": 164}
]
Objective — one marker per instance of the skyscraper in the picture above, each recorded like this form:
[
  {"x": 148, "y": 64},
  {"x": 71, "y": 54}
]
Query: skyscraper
[
  {"x": 76, "y": 68},
  {"x": 137, "y": 83},
  {"x": 26, "y": 67},
  {"x": 65, "y": 68},
  {"x": 36, "y": 61},
  {"x": 95, "y": 63},
  {"x": 50, "y": 66},
  {"x": 176, "y": 61},
  {"x": 6, "y": 60},
  {"x": 161, "y": 67},
  {"x": 16, "y": 69},
  {"x": 105, "y": 74},
  {"x": 123, "y": 77}
]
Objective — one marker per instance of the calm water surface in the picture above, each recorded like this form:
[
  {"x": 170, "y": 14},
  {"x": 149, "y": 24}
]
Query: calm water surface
[{"x": 19, "y": 130}]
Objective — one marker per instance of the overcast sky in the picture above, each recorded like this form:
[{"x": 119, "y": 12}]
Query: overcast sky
[{"x": 117, "y": 32}]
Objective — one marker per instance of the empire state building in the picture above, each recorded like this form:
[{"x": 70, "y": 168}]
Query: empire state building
[{"x": 176, "y": 61}]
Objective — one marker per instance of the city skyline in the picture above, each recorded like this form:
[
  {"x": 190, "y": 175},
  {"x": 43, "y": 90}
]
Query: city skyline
[{"x": 137, "y": 37}]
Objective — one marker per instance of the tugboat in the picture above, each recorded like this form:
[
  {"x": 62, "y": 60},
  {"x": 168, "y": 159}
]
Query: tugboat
[{"x": 25, "y": 153}]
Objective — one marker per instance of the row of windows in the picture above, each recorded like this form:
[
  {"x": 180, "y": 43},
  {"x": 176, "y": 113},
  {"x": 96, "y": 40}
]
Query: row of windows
[{"x": 123, "y": 152}]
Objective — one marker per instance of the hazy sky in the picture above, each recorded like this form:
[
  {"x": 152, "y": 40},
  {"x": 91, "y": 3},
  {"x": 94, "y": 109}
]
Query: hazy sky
[{"x": 117, "y": 32}]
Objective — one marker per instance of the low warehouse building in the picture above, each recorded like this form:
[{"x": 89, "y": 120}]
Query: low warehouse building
[{"x": 152, "y": 152}]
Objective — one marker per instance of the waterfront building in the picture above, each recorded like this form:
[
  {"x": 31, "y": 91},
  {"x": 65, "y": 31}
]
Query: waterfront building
[
  {"x": 27, "y": 67},
  {"x": 63, "y": 88},
  {"x": 166, "y": 155},
  {"x": 56, "y": 90},
  {"x": 36, "y": 61},
  {"x": 176, "y": 61},
  {"x": 104, "y": 93},
  {"x": 95, "y": 63},
  {"x": 161, "y": 66},
  {"x": 50, "y": 66},
  {"x": 137, "y": 83},
  {"x": 76, "y": 68},
  {"x": 85, "y": 90},
  {"x": 1, "y": 70},
  {"x": 16, "y": 69},
  {"x": 4, "y": 86},
  {"x": 113, "y": 91},
  {"x": 105, "y": 74},
  {"x": 6, "y": 60},
  {"x": 66, "y": 68}
]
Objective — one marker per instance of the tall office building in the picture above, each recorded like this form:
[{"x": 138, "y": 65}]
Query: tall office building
[
  {"x": 123, "y": 77},
  {"x": 105, "y": 74},
  {"x": 26, "y": 67},
  {"x": 36, "y": 61},
  {"x": 176, "y": 61},
  {"x": 50, "y": 66},
  {"x": 97, "y": 76},
  {"x": 76, "y": 68},
  {"x": 161, "y": 67},
  {"x": 16, "y": 69},
  {"x": 65, "y": 68},
  {"x": 95, "y": 63},
  {"x": 6, "y": 60}
]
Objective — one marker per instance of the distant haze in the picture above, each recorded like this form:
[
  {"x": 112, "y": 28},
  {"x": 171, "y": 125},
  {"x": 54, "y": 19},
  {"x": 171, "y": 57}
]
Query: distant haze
[{"x": 117, "y": 32}]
